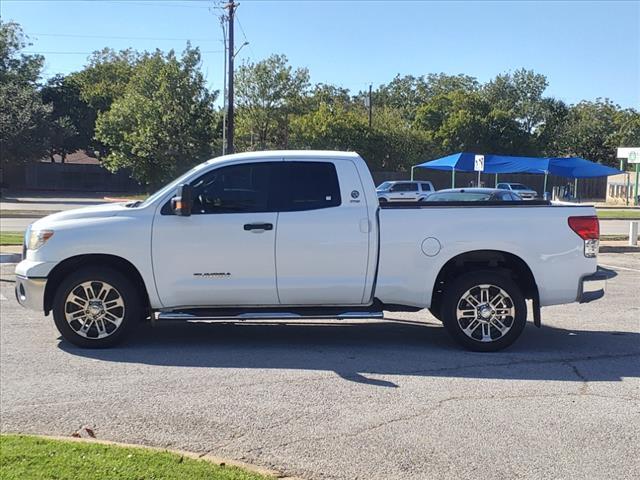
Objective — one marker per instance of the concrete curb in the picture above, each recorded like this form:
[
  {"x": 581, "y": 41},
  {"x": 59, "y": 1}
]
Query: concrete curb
[
  {"x": 10, "y": 257},
  {"x": 196, "y": 456}
]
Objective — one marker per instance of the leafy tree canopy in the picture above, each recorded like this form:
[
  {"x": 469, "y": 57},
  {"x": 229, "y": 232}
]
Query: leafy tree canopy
[{"x": 163, "y": 122}]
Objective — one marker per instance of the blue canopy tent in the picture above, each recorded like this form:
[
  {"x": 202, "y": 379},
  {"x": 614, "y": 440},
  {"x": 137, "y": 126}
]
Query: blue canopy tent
[{"x": 571, "y": 167}]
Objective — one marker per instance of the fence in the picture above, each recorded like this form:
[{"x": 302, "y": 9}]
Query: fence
[
  {"x": 68, "y": 177},
  {"x": 588, "y": 188}
]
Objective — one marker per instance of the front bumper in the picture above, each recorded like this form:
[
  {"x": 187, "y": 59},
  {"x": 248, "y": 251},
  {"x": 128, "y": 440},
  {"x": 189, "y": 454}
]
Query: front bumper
[
  {"x": 30, "y": 292},
  {"x": 592, "y": 287}
]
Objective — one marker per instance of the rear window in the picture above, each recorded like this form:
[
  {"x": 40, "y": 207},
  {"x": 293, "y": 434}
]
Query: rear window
[{"x": 307, "y": 186}]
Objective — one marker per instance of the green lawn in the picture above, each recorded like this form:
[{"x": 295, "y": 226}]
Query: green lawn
[
  {"x": 30, "y": 458},
  {"x": 619, "y": 214},
  {"x": 11, "y": 238}
]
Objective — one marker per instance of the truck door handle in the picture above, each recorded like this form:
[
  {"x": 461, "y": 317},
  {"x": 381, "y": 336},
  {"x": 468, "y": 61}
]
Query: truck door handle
[{"x": 258, "y": 226}]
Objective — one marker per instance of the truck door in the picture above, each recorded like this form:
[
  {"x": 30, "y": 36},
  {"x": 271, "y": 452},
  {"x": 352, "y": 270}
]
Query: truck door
[
  {"x": 323, "y": 233},
  {"x": 223, "y": 254}
]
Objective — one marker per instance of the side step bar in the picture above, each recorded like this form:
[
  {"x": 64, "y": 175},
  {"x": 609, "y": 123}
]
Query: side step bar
[{"x": 269, "y": 314}]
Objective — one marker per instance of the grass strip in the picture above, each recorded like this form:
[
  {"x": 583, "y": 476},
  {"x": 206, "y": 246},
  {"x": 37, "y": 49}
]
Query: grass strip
[
  {"x": 11, "y": 238},
  {"x": 33, "y": 458},
  {"x": 618, "y": 214}
]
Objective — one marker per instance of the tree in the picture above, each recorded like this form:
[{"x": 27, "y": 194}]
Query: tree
[
  {"x": 73, "y": 120},
  {"x": 163, "y": 122},
  {"x": 407, "y": 93},
  {"x": 106, "y": 77},
  {"x": 267, "y": 92},
  {"x": 595, "y": 129},
  {"x": 519, "y": 94},
  {"x": 23, "y": 117},
  {"x": 456, "y": 121}
]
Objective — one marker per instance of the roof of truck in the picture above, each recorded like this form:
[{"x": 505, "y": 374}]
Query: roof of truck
[{"x": 284, "y": 154}]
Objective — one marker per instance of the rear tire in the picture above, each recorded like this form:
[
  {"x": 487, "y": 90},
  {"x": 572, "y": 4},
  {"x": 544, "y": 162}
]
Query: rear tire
[
  {"x": 484, "y": 311},
  {"x": 95, "y": 307}
]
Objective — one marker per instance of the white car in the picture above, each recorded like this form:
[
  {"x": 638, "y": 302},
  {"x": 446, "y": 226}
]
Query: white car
[
  {"x": 404, "y": 191},
  {"x": 526, "y": 193},
  {"x": 300, "y": 234}
]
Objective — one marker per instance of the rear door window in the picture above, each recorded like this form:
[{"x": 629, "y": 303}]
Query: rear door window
[
  {"x": 405, "y": 187},
  {"x": 302, "y": 186}
]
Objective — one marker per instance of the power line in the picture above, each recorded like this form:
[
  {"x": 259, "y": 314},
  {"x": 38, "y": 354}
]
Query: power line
[
  {"x": 245, "y": 35},
  {"x": 90, "y": 53},
  {"x": 151, "y": 4},
  {"x": 120, "y": 37}
]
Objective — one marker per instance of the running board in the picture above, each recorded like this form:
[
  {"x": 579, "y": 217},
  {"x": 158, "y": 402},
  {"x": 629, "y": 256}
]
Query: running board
[{"x": 270, "y": 314}]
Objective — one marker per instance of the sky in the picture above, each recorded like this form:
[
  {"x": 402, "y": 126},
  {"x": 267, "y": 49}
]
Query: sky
[{"x": 586, "y": 49}]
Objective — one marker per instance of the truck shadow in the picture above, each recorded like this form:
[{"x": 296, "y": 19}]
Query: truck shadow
[{"x": 360, "y": 352}]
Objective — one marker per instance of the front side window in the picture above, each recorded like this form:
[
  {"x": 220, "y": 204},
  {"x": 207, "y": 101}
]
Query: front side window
[
  {"x": 426, "y": 187},
  {"x": 306, "y": 186},
  {"x": 240, "y": 188}
]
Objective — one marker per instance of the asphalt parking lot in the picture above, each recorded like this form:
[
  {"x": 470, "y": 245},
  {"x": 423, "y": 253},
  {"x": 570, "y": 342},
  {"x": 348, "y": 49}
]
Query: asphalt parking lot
[{"x": 366, "y": 400}]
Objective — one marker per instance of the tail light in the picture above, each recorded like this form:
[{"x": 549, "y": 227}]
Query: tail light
[{"x": 588, "y": 229}]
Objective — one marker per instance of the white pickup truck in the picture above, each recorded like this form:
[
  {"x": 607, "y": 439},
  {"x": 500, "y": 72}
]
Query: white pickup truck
[{"x": 300, "y": 234}]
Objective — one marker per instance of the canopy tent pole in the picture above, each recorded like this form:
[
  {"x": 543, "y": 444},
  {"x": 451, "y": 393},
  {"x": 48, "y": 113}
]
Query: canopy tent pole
[
  {"x": 453, "y": 178},
  {"x": 544, "y": 189},
  {"x": 412, "y": 172},
  {"x": 496, "y": 180},
  {"x": 637, "y": 194},
  {"x": 575, "y": 190}
]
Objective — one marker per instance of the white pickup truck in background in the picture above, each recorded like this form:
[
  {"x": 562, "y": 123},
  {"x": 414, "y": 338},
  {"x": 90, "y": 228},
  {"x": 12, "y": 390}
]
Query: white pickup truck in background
[{"x": 301, "y": 234}]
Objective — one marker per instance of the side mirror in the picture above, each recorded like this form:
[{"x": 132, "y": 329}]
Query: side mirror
[{"x": 183, "y": 201}]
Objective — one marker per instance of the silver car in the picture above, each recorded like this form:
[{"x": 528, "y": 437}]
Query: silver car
[
  {"x": 473, "y": 195},
  {"x": 404, "y": 191},
  {"x": 526, "y": 193}
]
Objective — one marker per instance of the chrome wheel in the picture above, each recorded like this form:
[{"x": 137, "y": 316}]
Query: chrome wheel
[
  {"x": 485, "y": 313},
  {"x": 94, "y": 309}
]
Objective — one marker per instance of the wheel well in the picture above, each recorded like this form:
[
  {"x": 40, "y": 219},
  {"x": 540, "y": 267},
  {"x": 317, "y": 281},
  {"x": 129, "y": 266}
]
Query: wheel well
[
  {"x": 507, "y": 263},
  {"x": 67, "y": 266}
]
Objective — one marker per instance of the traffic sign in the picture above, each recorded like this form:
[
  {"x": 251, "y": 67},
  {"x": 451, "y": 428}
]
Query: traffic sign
[{"x": 478, "y": 165}]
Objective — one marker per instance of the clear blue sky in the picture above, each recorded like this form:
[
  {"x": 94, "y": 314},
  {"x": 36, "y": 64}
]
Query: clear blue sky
[{"x": 586, "y": 49}]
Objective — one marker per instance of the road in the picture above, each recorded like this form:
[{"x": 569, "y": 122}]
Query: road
[{"x": 335, "y": 400}]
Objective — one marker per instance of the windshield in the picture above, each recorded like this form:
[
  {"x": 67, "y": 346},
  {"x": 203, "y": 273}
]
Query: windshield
[
  {"x": 384, "y": 186},
  {"x": 458, "y": 197},
  {"x": 519, "y": 186},
  {"x": 171, "y": 186}
]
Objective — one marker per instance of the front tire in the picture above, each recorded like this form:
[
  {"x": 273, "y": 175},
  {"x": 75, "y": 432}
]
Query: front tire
[
  {"x": 484, "y": 311},
  {"x": 95, "y": 307}
]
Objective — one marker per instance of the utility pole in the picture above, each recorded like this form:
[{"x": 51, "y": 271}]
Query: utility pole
[
  {"x": 370, "y": 105},
  {"x": 230, "y": 120},
  {"x": 223, "y": 19}
]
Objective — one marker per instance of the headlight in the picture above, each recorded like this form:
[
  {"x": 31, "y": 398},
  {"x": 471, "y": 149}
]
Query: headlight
[{"x": 38, "y": 238}]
